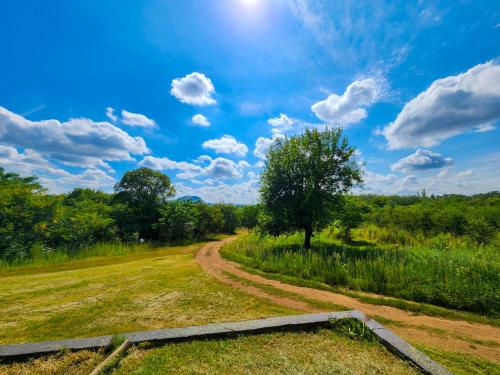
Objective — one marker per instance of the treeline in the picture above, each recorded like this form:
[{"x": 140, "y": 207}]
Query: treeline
[
  {"x": 476, "y": 216},
  {"x": 34, "y": 223}
]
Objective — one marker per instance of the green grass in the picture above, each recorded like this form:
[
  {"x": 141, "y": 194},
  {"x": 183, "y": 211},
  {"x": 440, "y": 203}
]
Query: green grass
[
  {"x": 327, "y": 306},
  {"x": 410, "y": 306},
  {"x": 323, "y": 351},
  {"x": 460, "y": 363},
  {"x": 153, "y": 289},
  {"x": 60, "y": 258},
  {"x": 459, "y": 278}
]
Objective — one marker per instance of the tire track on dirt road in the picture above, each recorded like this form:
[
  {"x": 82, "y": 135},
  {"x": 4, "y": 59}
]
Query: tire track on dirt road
[{"x": 427, "y": 330}]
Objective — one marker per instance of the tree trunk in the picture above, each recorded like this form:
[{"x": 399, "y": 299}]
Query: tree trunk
[{"x": 307, "y": 238}]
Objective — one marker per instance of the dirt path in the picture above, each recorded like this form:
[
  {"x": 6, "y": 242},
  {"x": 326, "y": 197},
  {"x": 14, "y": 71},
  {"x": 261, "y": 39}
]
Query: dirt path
[{"x": 448, "y": 335}]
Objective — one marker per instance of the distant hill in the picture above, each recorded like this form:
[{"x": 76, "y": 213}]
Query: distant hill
[{"x": 190, "y": 198}]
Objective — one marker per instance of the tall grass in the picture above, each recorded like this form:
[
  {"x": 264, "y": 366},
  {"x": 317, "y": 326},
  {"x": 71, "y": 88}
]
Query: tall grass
[
  {"x": 461, "y": 277},
  {"x": 44, "y": 257}
]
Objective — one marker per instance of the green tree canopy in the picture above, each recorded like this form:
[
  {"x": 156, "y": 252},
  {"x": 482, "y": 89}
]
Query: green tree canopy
[
  {"x": 303, "y": 180},
  {"x": 143, "y": 191}
]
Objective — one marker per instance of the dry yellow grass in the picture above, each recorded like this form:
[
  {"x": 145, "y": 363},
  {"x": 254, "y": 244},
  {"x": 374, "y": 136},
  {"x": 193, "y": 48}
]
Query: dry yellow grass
[{"x": 156, "y": 289}]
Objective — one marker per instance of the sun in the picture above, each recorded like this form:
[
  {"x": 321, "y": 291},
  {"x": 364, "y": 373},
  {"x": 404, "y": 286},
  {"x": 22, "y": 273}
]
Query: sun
[{"x": 250, "y": 3}]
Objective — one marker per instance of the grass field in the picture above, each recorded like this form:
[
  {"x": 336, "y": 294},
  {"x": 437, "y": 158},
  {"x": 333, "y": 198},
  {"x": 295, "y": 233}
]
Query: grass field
[
  {"x": 123, "y": 289},
  {"x": 319, "y": 352},
  {"x": 149, "y": 289},
  {"x": 460, "y": 278}
]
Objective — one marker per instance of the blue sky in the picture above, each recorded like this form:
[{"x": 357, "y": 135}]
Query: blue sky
[{"x": 199, "y": 89}]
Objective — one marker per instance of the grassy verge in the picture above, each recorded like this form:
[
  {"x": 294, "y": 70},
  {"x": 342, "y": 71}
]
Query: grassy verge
[
  {"x": 140, "y": 291},
  {"x": 327, "y": 306},
  {"x": 460, "y": 363},
  {"x": 323, "y": 351},
  {"x": 414, "y": 307},
  {"x": 60, "y": 260},
  {"x": 457, "y": 278}
]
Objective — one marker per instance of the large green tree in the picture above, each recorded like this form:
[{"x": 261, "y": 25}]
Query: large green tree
[
  {"x": 24, "y": 213},
  {"x": 142, "y": 192},
  {"x": 304, "y": 179}
]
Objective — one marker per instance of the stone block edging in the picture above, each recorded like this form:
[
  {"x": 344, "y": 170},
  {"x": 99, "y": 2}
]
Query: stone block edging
[{"x": 393, "y": 342}]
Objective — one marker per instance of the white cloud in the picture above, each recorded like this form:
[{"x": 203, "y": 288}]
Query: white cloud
[
  {"x": 421, "y": 160},
  {"x": 450, "y": 106},
  {"x": 484, "y": 128},
  {"x": 95, "y": 179},
  {"x": 284, "y": 125},
  {"x": 350, "y": 107},
  {"x": 26, "y": 163},
  {"x": 200, "y": 120},
  {"x": 137, "y": 119},
  {"x": 110, "y": 113},
  {"x": 167, "y": 164},
  {"x": 260, "y": 164},
  {"x": 55, "y": 179},
  {"x": 282, "y": 121},
  {"x": 221, "y": 168},
  {"x": 218, "y": 168},
  {"x": 482, "y": 178},
  {"x": 262, "y": 146},
  {"x": 242, "y": 164},
  {"x": 194, "y": 88},
  {"x": 202, "y": 159},
  {"x": 246, "y": 192},
  {"x": 466, "y": 173},
  {"x": 227, "y": 144},
  {"x": 77, "y": 142}
]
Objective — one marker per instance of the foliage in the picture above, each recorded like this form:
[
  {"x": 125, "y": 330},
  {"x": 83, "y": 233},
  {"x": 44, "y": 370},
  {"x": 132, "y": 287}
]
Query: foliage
[
  {"x": 180, "y": 220},
  {"x": 349, "y": 216},
  {"x": 24, "y": 213},
  {"x": 37, "y": 227},
  {"x": 463, "y": 277},
  {"x": 476, "y": 216},
  {"x": 143, "y": 191},
  {"x": 248, "y": 216},
  {"x": 304, "y": 179}
]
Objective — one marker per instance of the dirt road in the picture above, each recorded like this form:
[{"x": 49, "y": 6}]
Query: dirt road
[{"x": 449, "y": 335}]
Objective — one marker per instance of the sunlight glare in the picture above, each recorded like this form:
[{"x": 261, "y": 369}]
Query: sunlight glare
[{"x": 250, "y": 3}]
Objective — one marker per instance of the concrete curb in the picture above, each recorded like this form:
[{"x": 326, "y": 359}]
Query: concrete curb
[{"x": 394, "y": 343}]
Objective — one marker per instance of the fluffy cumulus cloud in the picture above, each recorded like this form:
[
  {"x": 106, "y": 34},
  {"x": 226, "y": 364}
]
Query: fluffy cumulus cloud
[
  {"x": 218, "y": 168},
  {"x": 137, "y": 119},
  {"x": 262, "y": 146},
  {"x": 202, "y": 159},
  {"x": 280, "y": 122},
  {"x": 221, "y": 168},
  {"x": 55, "y": 179},
  {"x": 285, "y": 125},
  {"x": 350, "y": 107},
  {"x": 96, "y": 179},
  {"x": 227, "y": 144},
  {"x": 200, "y": 120},
  {"x": 246, "y": 192},
  {"x": 77, "y": 142},
  {"x": 450, "y": 106},
  {"x": 481, "y": 178},
  {"x": 26, "y": 163},
  {"x": 421, "y": 160},
  {"x": 194, "y": 89}
]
